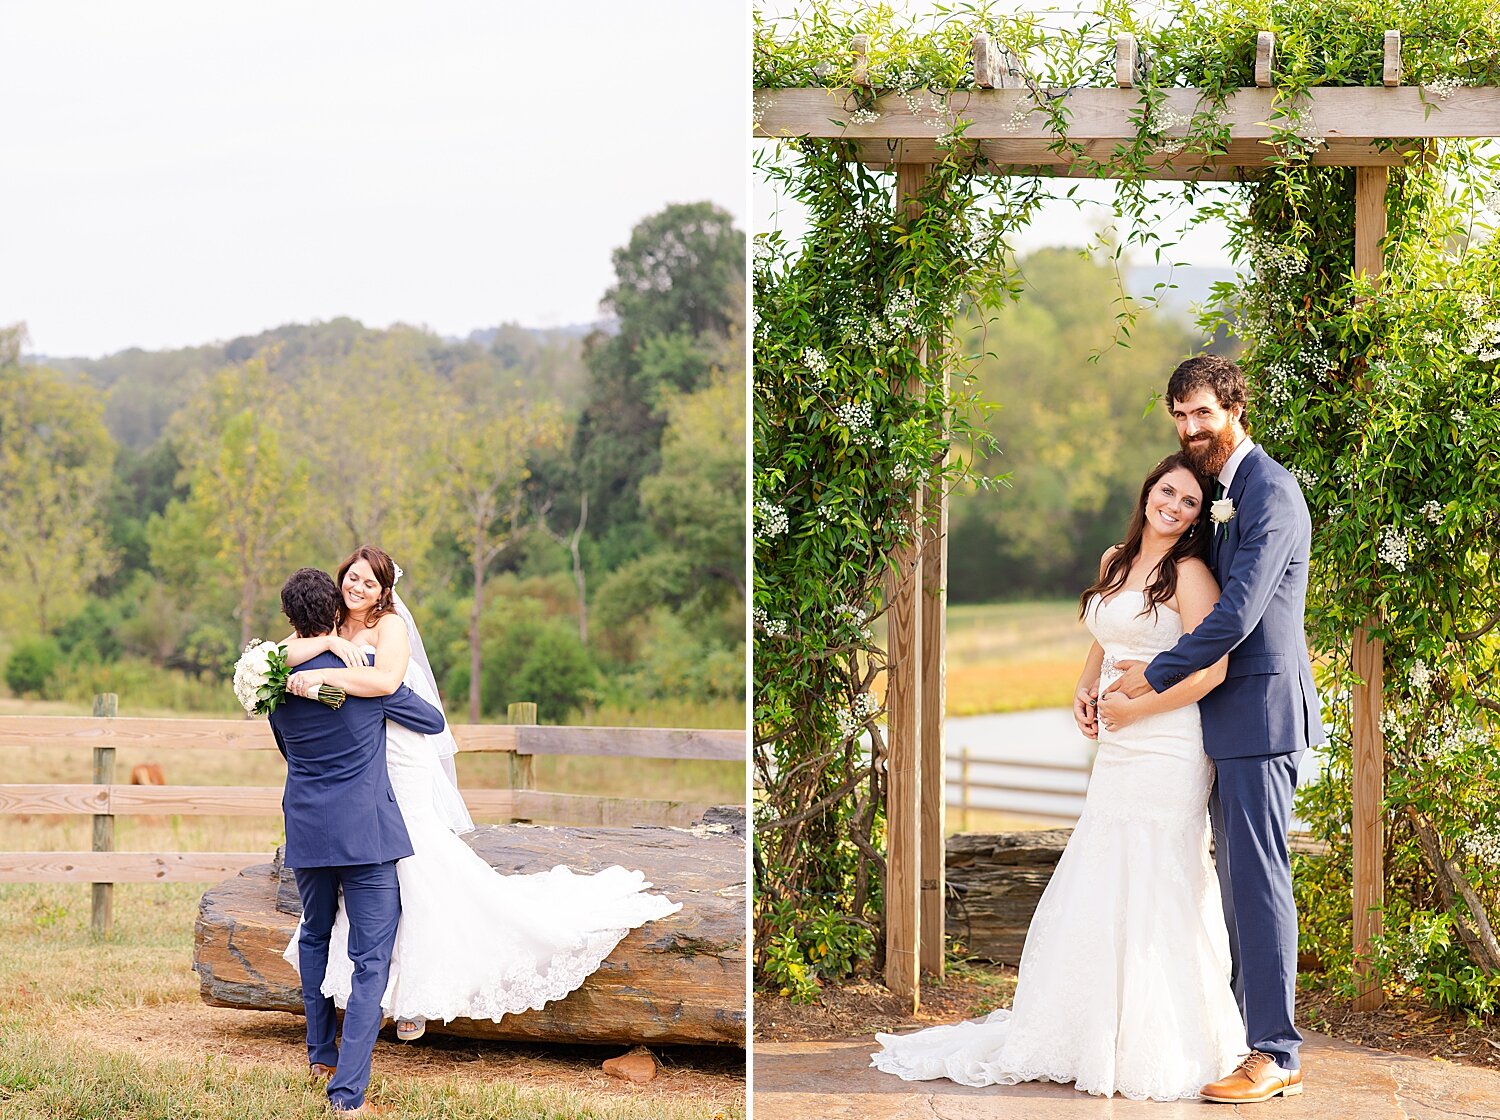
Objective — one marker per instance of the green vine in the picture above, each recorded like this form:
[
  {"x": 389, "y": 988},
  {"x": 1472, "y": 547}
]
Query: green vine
[{"x": 1382, "y": 396}]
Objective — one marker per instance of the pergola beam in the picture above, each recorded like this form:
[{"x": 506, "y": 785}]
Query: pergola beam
[
  {"x": 1337, "y": 113},
  {"x": 1245, "y": 159}
]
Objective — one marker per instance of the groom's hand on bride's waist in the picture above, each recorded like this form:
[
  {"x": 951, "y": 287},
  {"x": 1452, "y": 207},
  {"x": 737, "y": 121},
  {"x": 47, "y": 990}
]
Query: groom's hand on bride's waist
[{"x": 1133, "y": 682}]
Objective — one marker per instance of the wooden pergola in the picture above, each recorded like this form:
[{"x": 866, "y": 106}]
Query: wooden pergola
[{"x": 1368, "y": 128}]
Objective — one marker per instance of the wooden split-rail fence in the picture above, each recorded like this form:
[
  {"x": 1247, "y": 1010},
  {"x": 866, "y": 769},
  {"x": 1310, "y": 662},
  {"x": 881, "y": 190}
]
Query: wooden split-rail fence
[{"x": 522, "y": 739}]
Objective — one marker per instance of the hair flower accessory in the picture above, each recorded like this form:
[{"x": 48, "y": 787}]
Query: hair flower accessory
[{"x": 399, "y": 573}]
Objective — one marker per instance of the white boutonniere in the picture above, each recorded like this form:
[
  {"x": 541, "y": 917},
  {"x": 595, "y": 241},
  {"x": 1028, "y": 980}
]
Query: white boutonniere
[{"x": 1222, "y": 511}]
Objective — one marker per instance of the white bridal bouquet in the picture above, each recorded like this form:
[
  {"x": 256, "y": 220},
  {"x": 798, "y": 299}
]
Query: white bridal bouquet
[{"x": 260, "y": 677}]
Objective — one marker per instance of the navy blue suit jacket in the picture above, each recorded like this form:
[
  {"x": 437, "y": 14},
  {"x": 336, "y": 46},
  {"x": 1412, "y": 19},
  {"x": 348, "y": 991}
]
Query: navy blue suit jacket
[
  {"x": 339, "y": 806},
  {"x": 1267, "y": 704}
]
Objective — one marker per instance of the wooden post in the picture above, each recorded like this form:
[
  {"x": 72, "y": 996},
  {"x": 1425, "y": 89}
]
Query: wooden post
[
  {"x": 1127, "y": 61},
  {"x": 934, "y": 632},
  {"x": 903, "y": 807},
  {"x": 1368, "y": 657},
  {"x": 1265, "y": 58},
  {"x": 102, "y": 917},
  {"x": 1391, "y": 70},
  {"x": 522, "y": 769}
]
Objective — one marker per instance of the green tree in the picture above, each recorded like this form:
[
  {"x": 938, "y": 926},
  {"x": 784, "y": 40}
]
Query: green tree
[
  {"x": 1073, "y": 434},
  {"x": 679, "y": 293},
  {"x": 486, "y": 464},
  {"x": 367, "y": 423},
  {"x": 55, "y": 458},
  {"x": 682, "y": 270},
  {"x": 248, "y": 498}
]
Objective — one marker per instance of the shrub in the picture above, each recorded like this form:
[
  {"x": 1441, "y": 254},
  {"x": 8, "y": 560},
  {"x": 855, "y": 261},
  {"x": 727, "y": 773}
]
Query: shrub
[{"x": 31, "y": 665}]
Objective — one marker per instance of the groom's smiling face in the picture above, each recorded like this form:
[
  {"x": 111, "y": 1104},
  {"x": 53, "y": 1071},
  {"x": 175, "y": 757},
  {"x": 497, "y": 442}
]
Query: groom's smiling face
[{"x": 1208, "y": 431}]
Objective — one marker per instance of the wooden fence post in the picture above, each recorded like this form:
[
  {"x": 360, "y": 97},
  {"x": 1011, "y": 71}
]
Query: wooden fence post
[
  {"x": 106, "y": 706},
  {"x": 963, "y": 789},
  {"x": 522, "y": 770},
  {"x": 1368, "y": 656}
]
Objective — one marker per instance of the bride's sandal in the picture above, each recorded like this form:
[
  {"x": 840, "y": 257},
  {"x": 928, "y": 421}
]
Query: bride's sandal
[{"x": 409, "y": 1030}]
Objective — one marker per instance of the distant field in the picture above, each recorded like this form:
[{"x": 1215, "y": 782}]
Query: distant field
[{"x": 1012, "y": 657}]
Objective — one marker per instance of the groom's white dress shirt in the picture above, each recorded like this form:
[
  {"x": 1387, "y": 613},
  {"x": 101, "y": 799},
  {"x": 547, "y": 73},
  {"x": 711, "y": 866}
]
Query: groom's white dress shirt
[{"x": 1226, "y": 476}]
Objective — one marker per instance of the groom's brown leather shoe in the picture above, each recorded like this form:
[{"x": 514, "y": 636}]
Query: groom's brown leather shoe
[
  {"x": 1256, "y": 1079},
  {"x": 320, "y": 1071},
  {"x": 369, "y": 1108}
]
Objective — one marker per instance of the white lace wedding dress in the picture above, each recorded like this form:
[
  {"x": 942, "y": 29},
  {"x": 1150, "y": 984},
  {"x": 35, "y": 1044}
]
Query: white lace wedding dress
[
  {"x": 1124, "y": 980},
  {"x": 473, "y": 943}
]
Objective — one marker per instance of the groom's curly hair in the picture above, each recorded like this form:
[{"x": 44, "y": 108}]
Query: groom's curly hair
[
  {"x": 310, "y": 601},
  {"x": 1216, "y": 373}
]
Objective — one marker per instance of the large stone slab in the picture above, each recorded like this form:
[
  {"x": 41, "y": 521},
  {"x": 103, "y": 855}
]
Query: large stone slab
[
  {"x": 678, "y": 980},
  {"x": 1000, "y": 878}
]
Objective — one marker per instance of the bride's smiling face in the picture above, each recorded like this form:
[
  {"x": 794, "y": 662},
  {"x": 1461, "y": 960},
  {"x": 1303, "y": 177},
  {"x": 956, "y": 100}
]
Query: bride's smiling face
[
  {"x": 361, "y": 589},
  {"x": 1175, "y": 503}
]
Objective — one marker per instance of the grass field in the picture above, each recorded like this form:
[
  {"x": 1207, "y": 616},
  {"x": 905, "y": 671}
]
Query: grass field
[{"x": 114, "y": 1029}]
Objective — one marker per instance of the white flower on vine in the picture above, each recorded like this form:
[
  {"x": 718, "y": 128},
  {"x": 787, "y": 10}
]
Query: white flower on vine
[
  {"x": 1395, "y": 548},
  {"x": 901, "y": 471},
  {"x": 762, "y": 254},
  {"x": 1483, "y": 845},
  {"x": 761, "y": 104},
  {"x": 773, "y": 519},
  {"x": 863, "y": 116},
  {"x": 855, "y": 415},
  {"x": 848, "y": 725},
  {"x": 1433, "y": 511},
  {"x": 824, "y": 514},
  {"x": 1305, "y": 478},
  {"x": 1018, "y": 116},
  {"x": 1443, "y": 87},
  {"x": 1169, "y": 119},
  {"x": 1486, "y": 341},
  {"x": 865, "y": 706},
  {"x": 775, "y": 627},
  {"x": 1420, "y": 677},
  {"x": 816, "y": 364}
]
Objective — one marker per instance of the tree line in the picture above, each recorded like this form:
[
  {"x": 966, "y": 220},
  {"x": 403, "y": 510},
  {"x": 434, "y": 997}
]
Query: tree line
[{"x": 568, "y": 508}]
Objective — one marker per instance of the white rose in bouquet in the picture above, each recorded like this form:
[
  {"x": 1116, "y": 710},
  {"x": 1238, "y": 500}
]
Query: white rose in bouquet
[{"x": 260, "y": 678}]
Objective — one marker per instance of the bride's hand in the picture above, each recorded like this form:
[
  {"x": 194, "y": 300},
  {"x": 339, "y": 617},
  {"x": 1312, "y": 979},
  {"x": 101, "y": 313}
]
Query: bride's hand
[
  {"x": 304, "y": 684},
  {"x": 1085, "y": 713},
  {"x": 346, "y": 651},
  {"x": 1117, "y": 711}
]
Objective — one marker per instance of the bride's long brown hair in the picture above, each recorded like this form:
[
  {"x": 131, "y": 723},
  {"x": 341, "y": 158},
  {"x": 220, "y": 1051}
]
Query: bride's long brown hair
[
  {"x": 1194, "y": 542},
  {"x": 384, "y": 570}
]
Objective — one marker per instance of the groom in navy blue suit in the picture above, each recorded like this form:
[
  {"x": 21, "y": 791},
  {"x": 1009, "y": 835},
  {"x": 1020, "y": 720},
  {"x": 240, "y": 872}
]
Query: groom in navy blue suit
[
  {"x": 343, "y": 829},
  {"x": 1258, "y": 723}
]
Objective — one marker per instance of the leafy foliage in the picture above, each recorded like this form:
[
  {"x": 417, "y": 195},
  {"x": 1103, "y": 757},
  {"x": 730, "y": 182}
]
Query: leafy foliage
[
  {"x": 235, "y": 463},
  {"x": 1381, "y": 396}
]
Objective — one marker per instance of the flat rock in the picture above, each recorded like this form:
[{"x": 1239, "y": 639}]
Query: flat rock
[
  {"x": 680, "y": 980},
  {"x": 637, "y": 1064}
]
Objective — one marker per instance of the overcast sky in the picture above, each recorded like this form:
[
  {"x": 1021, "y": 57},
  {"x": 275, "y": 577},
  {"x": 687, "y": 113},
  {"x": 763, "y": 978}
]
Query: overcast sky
[
  {"x": 1057, "y": 223},
  {"x": 178, "y": 172}
]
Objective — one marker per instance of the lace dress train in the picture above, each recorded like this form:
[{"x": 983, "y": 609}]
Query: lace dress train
[
  {"x": 473, "y": 943},
  {"x": 1124, "y": 979}
]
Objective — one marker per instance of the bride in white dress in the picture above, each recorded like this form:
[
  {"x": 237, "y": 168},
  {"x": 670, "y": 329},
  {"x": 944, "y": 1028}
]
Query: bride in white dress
[
  {"x": 1124, "y": 979},
  {"x": 471, "y": 943}
]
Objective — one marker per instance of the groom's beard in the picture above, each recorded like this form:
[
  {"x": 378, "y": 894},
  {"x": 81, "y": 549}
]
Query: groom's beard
[{"x": 1208, "y": 453}]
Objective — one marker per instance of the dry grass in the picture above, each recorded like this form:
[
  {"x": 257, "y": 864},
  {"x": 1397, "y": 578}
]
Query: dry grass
[{"x": 115, "y": 1028}]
